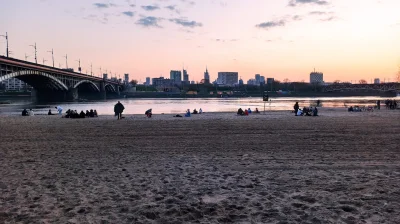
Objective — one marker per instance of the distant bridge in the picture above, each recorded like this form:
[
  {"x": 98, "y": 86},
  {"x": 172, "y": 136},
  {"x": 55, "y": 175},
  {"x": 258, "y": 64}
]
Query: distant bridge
[
  {"x": 56, "y": 84},
  {"x": 385, "y": 87}
]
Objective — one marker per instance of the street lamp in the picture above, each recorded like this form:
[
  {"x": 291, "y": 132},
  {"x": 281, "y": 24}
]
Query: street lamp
[
  {"x": 34, "y": 46},
  {"x": 52, "y": 55},
  {"x": 91, "y": 69},
  {"x": 6, "y": 36},
  {"x": 79, "y": 68},
  {"x": 66, "y": 61}
]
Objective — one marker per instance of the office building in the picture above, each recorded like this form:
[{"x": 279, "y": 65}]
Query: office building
[
  {"x": 176, "y": 76},
  {"x": 252, "y": 82},
  {"x": 241, "y": 82},
  {"x": 14, "y": 84},
  {"x": 316, "y": 77},
  {"x": 185, "y": 76},
  {"x": 258, "y": 79},
  {"x": 228, "y": 78},
  {"x": 270, "y": 80},
  {"x": 262, "y": 80},
  {"x": 147, "y": 81},
  {"x": 377, "y": 81}
]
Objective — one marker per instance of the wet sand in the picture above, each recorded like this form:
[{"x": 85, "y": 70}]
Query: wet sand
[{"x": 212, "y": 168}]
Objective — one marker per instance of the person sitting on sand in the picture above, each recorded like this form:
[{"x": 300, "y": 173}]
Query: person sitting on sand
[
  {"x": 187, "y": 113},
  {"x": 195, "y": 111},
  {"x": 50, "y": 113},
  {"x": 91, "y": 113},
  {"x": 95, "y": 113},
  {"x": 31, "y": 112},
  {"x": 350, "y": 109},
  {"x": 87, "y": 114},
  {"x": 299, "y": 112},
  {"x": 148, "y": 113},
  {"x": 315, "y": 112},
  {"x": 257, "y": 112},
  {"x": 82, "y": 114},
  {"x": 249, "y": 110},
  {"x": 25, "y": 113},
  {"x": 177, "y": 115},
  {"x": 246, "y": 112},
  {"x": 200, "y": 111},
  {"x": 240, "y": 112}
]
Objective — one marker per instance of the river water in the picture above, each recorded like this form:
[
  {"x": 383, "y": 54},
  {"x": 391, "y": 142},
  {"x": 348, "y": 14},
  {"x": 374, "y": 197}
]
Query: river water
[{"x": 175, "y": 106}]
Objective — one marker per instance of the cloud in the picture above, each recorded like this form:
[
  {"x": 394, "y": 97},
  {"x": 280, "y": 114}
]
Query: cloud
[
  {"x": 129, "y": 13},
  {"x": 150, "y": 7},
  {"x": 317, "y": 13},
  {"x": 184, "y": 22},
  {"x": 297, "y": 18},
  {"x": 271, "y": 24},
  {"x": 149, "y": 21},
  {"x": 329, "y": 19},
  {"x": 132, "y": 5},
  {"x": 101, "y": 5},
  {"x": 294, "y": 3}
]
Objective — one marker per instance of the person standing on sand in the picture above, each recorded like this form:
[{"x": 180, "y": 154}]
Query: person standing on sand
[
  {"x": 378, "y": 104},
  {"x": 118, "y": 109},
  {"x": 296, "y": 108}
]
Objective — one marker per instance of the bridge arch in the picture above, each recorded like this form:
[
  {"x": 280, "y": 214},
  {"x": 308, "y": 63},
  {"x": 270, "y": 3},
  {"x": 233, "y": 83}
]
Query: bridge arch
[
  {"x": 29, "y": 73},
  {"x": 92, "y": 84},
  {"x": 110, "y": 87}
]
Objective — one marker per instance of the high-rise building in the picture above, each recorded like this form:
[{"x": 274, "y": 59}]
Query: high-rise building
[
  {"x": 258, "y": 79},
  {"x": 176, "y": 76},
  {"x": 377, "y": 81},
  {"x": 14, "y": 84},
  {"x": 126, "y": 78},
  {"x": 262, "y": 80},
  {"x": 316, "y": 77},
  {"x": 206, "y": 76},
  {"x": 240, "y": 82},
  {"x": 228, "y": 78},
  {"x": 147, "y": 81},
  {"x": 105, "y": 76},
  {"x": 185, "y": 76}
]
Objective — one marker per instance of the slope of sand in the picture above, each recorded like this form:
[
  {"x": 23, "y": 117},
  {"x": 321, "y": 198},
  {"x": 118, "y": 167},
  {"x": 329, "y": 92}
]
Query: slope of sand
[{"x": 212, "y": 168}]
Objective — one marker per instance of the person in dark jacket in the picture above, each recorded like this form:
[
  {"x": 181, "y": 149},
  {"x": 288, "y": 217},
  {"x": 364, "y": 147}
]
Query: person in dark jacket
[
  {"x": 296, "y": 108},
  {"x": 24, "y": 112},
  {"x": 118, "y": 109}
]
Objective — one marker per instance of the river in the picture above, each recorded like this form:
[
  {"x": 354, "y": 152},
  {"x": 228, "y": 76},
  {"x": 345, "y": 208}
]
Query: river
[{"x": 175, "y": 106}]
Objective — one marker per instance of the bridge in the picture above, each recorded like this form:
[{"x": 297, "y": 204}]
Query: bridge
[
  {"x": 51, "y": 83},
  {"x": 384, "y": 87}
]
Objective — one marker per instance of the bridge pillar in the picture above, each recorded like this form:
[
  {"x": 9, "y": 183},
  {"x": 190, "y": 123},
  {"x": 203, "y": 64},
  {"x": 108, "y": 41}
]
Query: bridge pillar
[
  {"x": 103, "y": 94},
  {"x": 72, "y": 94}
]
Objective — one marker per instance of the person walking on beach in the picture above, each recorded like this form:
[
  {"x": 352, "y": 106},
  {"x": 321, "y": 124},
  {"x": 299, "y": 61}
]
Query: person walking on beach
[
  {"x": 118, "y": 109},
  {"x": 378, "y": 104},
  {"x": 296, "y": 108}
]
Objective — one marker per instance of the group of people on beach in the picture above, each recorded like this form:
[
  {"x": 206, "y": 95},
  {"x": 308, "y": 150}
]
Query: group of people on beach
[
  {"x": 246, "y": 112},
  {"x": 25, "y": 112},
  {"x": 391, "y": 104},
  {"x": 188, "y": 114},
  {"x": 306, "y": 111},
  {"x": 74, "y": 114}
]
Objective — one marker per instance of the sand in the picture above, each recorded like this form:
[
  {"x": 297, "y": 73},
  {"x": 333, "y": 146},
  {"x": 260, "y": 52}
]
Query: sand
[{"x": 212, "y": 168}]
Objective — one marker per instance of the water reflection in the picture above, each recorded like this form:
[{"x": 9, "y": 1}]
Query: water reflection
[{"x": 139, "y": 106}]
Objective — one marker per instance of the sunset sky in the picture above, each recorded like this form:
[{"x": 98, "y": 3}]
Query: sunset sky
[{"x": 345, "y": 39}]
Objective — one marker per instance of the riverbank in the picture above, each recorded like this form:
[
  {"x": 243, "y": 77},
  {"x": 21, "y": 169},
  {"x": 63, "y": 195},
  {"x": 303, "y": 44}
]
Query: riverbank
[{"x": 276, "y": 168}]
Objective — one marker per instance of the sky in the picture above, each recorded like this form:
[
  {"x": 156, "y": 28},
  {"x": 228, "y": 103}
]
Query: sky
[{"x": 347, "y": 40}]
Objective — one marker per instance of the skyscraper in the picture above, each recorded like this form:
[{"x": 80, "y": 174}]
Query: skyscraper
[
  {"x": 176, "y": 76},
  {"x": 185, "y": 76},
  {"x": 206, "y": 76},
  {"x": 317, "y": 77},
  {"x": 126, "y": 78},
  {"x": 147, "y": 81},
  {"x": 258, "y": 79}
]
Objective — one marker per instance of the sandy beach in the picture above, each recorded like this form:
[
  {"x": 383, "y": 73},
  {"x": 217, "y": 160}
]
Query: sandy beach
[{"x": 339, "y": 167}]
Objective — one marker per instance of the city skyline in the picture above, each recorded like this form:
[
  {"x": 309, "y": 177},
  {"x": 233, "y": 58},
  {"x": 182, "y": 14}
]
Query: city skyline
[{"x": 278, "y": 39}]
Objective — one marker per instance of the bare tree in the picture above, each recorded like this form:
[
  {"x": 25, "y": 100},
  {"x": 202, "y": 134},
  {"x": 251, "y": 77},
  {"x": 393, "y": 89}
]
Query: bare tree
[
  {"x": 286, "y": 80},
  {"x": 133, "y": 82},
  {"x": 362, "y": 81},
  {"x": 336, "y": 81}
]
